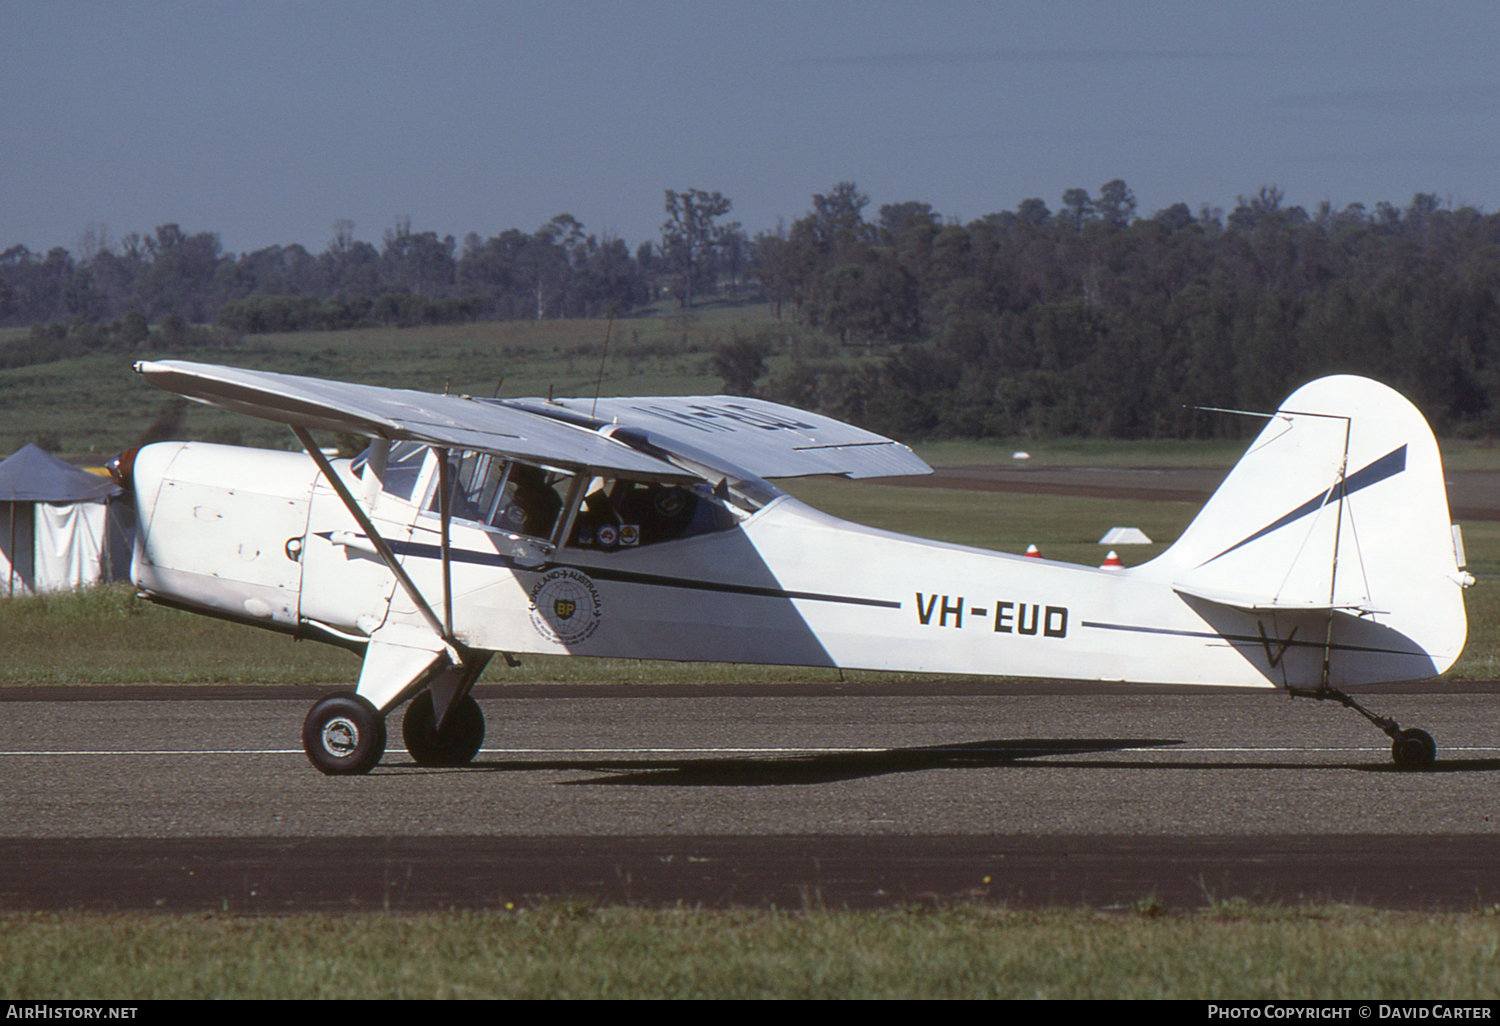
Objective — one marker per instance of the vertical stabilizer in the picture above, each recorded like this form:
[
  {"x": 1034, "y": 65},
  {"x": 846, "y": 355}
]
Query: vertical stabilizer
[{"x": 1338, "y": 506}]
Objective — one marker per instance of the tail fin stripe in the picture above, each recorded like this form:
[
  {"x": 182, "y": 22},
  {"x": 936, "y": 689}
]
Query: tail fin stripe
[{"x": 1389, "y": 465}]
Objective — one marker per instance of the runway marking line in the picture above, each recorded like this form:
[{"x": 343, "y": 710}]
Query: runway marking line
[{"x": 758, "y": 751}]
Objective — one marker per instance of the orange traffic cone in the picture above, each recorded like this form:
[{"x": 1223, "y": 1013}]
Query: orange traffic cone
[
  {"x": 1033, "y": 552},
  {"x": 1112, "y": 562}
]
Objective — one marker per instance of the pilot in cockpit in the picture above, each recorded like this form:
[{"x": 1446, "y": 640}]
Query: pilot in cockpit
[{"x": 531, "y": 505}]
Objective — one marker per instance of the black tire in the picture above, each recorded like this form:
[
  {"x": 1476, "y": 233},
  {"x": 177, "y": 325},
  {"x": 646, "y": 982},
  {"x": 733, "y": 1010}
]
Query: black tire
[
  {"x": 455, "y": 745},
  {"x": 344, "y": 735},
  {"x": 1414, "y": 750}
]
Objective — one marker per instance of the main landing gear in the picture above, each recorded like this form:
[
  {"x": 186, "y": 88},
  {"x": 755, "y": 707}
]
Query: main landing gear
[
  {"x": 1412, "y": 749},
  {"x": 344, "y": 734},
  {"x": 455, "y": 745}
]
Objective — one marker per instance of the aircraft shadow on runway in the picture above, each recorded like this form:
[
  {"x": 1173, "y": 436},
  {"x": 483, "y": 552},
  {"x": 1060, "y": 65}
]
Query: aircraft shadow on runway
[
  {"x": 830, "y": 767},
  {"x": 825, "y": 767}
]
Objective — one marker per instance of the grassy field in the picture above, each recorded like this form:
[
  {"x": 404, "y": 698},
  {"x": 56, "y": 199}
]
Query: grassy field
[{"x": 573, "y": 950}]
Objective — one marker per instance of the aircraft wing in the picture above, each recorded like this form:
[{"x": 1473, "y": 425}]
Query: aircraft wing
[
  {"x": 404, "y": 414},
  {"x": 764, "y": 438},
  {"x": 767, "y": 439}
]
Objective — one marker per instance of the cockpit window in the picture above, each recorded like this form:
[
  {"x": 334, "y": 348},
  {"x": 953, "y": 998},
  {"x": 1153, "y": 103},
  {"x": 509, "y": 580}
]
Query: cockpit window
[
  {"x": 403, "y": 468},
  {"x": 626, "y": 514},
  {"x": 501, "y": 493},
  {"x": 528, "y": 504},
  {"x": 522, "y": 499}
]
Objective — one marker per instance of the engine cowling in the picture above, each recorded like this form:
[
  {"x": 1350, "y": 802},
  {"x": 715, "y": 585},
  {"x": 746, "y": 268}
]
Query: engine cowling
[{"x": 222, "y": 528}]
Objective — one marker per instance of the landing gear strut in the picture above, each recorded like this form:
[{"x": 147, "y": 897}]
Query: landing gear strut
[
  {"x": 344, "y": 735},
  {"x": 1412, "y": 749}
]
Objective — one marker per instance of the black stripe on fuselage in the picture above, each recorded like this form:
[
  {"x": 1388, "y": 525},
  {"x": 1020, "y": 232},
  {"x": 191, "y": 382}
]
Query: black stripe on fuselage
[
  {"x": 422, "y": 550},
  {"x": 1244, "y": 639}
]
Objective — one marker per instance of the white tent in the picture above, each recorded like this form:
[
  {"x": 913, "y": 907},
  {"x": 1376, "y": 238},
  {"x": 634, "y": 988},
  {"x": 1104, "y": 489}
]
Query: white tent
[{"x": 56, "y": 531}]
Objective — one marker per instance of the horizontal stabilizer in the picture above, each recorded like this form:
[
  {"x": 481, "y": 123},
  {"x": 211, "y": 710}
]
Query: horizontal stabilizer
[{"x": 1261, "y": 603}]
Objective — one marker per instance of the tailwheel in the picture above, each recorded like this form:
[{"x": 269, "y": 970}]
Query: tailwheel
[
  {"x": 455, "y": 744},
  {"x": 344, "y": 735},
  {"x": 1414, "y": 749}
]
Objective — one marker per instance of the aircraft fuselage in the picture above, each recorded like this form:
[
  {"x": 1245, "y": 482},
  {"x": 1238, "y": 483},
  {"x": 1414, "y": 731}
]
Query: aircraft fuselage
[{"x": 255, "y": 536}]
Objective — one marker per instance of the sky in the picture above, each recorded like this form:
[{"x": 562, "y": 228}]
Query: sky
[{"x": 265, "y": 121}]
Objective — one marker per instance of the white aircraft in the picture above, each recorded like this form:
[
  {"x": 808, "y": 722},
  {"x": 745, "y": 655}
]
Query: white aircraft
[{"x": 643, "y": 528}]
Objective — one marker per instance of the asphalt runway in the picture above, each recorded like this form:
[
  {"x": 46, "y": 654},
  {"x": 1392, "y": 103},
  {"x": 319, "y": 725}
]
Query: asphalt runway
[{"x": 195, "y": 799}]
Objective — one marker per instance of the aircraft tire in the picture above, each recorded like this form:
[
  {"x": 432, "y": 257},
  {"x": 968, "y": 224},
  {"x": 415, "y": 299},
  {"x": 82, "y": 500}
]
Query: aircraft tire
[
  {"x": 344, "y": 735},
  {"x": 455, "y": 745},
  {"x": 1414, "y": 750}
]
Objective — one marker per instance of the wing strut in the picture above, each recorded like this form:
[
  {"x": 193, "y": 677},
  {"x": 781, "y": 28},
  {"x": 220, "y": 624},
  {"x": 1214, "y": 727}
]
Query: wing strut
[
  {"x": 445, "y": 515},
  {"x": 384, "y": 550}
]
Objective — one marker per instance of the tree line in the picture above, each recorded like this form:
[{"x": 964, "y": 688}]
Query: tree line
[
  {"x": 559, "y": 270},
  {"x": 1085, "y": 320},
  {"x": 1091, "y": 320},
  {"x": 414, "y": 277}
]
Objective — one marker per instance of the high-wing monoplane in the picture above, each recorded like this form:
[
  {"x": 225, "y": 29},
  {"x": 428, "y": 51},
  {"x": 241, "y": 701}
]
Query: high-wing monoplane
[{"x": 645, "y": 528}]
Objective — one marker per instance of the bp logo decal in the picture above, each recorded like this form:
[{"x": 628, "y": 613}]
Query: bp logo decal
[{"x": 565, "y": 606}]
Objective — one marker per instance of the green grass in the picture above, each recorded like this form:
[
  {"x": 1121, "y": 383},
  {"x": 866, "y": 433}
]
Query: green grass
[
  {"x": 1080, "y": 452},
  {"x": 1141, "y": 453},
  {"x": 107, "y": 636},
  {"x": 572, "y": 950}
]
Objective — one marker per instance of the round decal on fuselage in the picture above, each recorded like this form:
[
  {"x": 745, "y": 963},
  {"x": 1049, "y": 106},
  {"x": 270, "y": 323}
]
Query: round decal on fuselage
[{"x": 565, "y": 606}]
